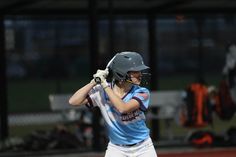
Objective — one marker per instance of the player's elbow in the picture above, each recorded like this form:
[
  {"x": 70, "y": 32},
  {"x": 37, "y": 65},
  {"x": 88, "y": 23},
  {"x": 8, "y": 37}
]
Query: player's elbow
[
  {"x": 123, "y": 110},
  {"x": 77, "y": 102},
  {"x": 72, "y": 102},
  {"x": 122, "y": 107}
]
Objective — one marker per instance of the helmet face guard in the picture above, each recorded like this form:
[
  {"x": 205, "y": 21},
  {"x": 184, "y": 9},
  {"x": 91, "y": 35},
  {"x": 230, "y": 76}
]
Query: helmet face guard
[
  {"x": 146, "y": 77},
  {"x": 144, "y": 80},
  {"x": 125, "y": 62}
]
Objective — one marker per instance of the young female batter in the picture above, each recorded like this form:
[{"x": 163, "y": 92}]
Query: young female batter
[{"x": 122, "y": 103}]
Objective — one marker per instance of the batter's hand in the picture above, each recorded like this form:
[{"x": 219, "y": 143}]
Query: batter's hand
[
  {"x": 101, "y": 73},
  {"x": 100, "y": 77},
  {"x": 104, "y": 83}
]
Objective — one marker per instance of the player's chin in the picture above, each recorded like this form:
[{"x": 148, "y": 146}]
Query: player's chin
[{"x": 137, "y": 82}]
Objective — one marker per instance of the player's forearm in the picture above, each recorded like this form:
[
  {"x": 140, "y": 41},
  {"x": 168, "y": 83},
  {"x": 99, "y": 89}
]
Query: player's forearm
[
  {"x": 79, "y": 97},
  {"x": 116, "y": 101}
]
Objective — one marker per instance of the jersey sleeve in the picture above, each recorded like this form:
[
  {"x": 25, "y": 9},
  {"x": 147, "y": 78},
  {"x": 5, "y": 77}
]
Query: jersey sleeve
[
  {"x": 142, "y": 95},
  {"x": 94, "y": 96}
]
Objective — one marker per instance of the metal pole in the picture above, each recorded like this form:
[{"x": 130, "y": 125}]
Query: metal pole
[
  {"x": 199, "y": 73},
  {"x": 3, "y": 83},
  {"x": 155, "y": 130},
  {"x": 93, "y": 46},
  {"x": 111, "y": 28},
  {"x": 152, "y": 51}
]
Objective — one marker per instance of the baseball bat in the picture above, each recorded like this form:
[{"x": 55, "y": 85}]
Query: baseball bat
[{"x": 97, "y": 79}]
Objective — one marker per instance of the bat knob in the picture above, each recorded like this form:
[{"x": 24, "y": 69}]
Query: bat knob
[{"x": 97, "y": 80}]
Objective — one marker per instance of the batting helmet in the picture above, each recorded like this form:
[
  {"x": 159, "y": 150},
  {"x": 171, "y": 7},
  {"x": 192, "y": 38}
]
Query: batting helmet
[{"x": 125, "y": 62}]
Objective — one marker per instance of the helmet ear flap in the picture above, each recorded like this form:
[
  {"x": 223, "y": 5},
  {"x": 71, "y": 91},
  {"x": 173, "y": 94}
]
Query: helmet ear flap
[
  {"x": 110, "y": 75},
  {"x": 127, "y": 76}
]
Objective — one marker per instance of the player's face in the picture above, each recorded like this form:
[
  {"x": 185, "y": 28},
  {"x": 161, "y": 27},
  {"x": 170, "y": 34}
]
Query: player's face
[{"x": 136, "y": 77}]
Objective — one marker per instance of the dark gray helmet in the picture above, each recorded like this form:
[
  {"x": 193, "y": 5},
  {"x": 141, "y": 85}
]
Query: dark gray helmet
[{"x": 125, "y": 62}]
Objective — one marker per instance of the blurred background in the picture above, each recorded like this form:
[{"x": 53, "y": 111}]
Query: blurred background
[
  {"x": 52, "y": 56},
  {"x": 51, "y": 47}
]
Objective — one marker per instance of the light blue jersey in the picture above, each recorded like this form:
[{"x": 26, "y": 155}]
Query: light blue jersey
[{"x": 123, "y": 129}]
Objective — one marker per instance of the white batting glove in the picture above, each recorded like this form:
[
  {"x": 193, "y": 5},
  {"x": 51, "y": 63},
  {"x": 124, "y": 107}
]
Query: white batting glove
[
  {"x": 104, "y": 83},
  {"x": 101, "y": 73},
  {"x": 100, "y": 77},
  {"x": 96, "y": 77}
]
